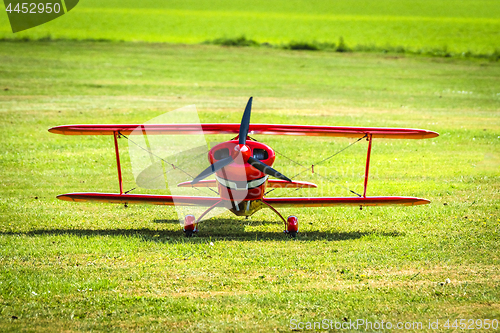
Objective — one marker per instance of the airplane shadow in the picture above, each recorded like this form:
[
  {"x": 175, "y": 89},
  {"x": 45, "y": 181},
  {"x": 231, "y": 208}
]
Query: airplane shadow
[
  {"x": 222, "y": 229},
  {"x": 166, "y": 221}
]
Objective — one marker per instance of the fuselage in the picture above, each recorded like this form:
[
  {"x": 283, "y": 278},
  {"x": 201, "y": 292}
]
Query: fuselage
[{"x": 240, "y": 185}]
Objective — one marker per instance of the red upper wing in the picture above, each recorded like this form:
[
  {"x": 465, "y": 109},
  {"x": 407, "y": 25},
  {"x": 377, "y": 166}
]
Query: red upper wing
[{"x": 270, "y": 129}]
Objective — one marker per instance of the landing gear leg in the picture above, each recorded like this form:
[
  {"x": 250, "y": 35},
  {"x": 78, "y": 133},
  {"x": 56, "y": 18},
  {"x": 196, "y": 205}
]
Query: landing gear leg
[
  {"x": 190, "y": 225},
  {"x": 292, "y": 226}
]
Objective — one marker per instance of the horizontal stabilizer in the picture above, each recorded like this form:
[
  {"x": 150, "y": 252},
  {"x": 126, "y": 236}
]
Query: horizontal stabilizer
[{"x": 271, "y": 183}]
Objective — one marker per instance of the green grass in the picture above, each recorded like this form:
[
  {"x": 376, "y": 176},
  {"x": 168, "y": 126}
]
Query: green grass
[
  {"x": 67, "y": 266},
  {"x": 424, "y": 26}
]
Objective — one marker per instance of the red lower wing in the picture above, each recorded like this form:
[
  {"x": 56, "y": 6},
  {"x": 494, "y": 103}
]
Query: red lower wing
[
  {"x": 171, "y": 200},
  {"x": 338, "y": 201},
  {"x": 168, "y": 200}
]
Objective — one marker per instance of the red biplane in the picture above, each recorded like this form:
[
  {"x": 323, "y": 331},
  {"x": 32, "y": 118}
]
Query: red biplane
[{"x": 244, "y": 156}]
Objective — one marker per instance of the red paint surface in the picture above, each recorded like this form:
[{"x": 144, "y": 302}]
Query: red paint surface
[
  {"x": 240, "y": 170},
  {"x": 118, "y": 166},
  {"x": 292, "y": 224},
  {"x": 169, "y": 200},
  {"x": 270, "y": 129},
  {"x": 345, "y": 201},
  {"x": 190, "y": 223},
  {"x": 271, "y": 183},
  {"x": 367, "y": 166}
]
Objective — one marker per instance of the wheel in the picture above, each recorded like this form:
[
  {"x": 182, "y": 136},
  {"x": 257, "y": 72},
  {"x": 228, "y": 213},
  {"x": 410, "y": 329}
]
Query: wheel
[
  {"x": 190, "y": 225},
  {"x": 292, "y": 226}
]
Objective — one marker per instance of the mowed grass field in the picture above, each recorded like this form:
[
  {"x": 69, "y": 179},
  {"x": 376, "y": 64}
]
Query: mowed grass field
[
  {"x": 69, "y": 266},
  {"x": 456, "y": 26}
]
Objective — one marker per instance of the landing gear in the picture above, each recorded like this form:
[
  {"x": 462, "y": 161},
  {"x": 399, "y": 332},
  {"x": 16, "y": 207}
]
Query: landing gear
[
  {"x": 292, "y": 226},
  {"x": 190, "y": 225},
  {"x": 292, "y": 222}
]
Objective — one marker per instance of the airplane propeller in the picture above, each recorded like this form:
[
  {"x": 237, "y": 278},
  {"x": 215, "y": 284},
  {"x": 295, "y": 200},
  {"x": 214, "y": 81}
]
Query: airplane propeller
[
  {"x": 213, "y": 168},
  {"x": 245, "y": 123},
  {"x": 263, "y": 167},
  {"x": 244, "y": 151}
]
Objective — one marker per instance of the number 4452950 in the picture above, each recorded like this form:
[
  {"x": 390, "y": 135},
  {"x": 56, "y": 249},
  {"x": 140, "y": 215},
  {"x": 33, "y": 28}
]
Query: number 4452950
[
  {"x": 472, "y": 324},
  {"x": 33, "y": 8}
]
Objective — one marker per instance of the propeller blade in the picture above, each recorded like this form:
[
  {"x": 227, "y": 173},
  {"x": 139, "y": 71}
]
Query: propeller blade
[
  {"x": 212, "y": 169},
  {"x": 245, "y": 122},
  {"x": 263, "y": 167}
]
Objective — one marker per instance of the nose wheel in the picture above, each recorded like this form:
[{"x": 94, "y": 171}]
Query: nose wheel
[
  {"x": 190, "y": 225},
  {"x": 292, "y": 226}
]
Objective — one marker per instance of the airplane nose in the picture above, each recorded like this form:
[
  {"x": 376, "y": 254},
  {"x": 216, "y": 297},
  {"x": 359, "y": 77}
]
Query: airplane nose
[{"x": 244, "y": 150}]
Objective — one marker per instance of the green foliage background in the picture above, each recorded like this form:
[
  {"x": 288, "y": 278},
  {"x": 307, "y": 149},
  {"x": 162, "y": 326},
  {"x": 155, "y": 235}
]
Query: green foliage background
[{"x": 454, "y": 25}]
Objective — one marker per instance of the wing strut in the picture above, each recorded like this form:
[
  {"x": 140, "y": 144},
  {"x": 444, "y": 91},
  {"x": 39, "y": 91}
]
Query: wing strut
[
  {"x": 367, "y": 168},
  {"x": 118, "y": 166}
]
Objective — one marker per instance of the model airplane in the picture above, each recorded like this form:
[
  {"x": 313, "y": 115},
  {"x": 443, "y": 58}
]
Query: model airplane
[{"x": 242, "y": 156}]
